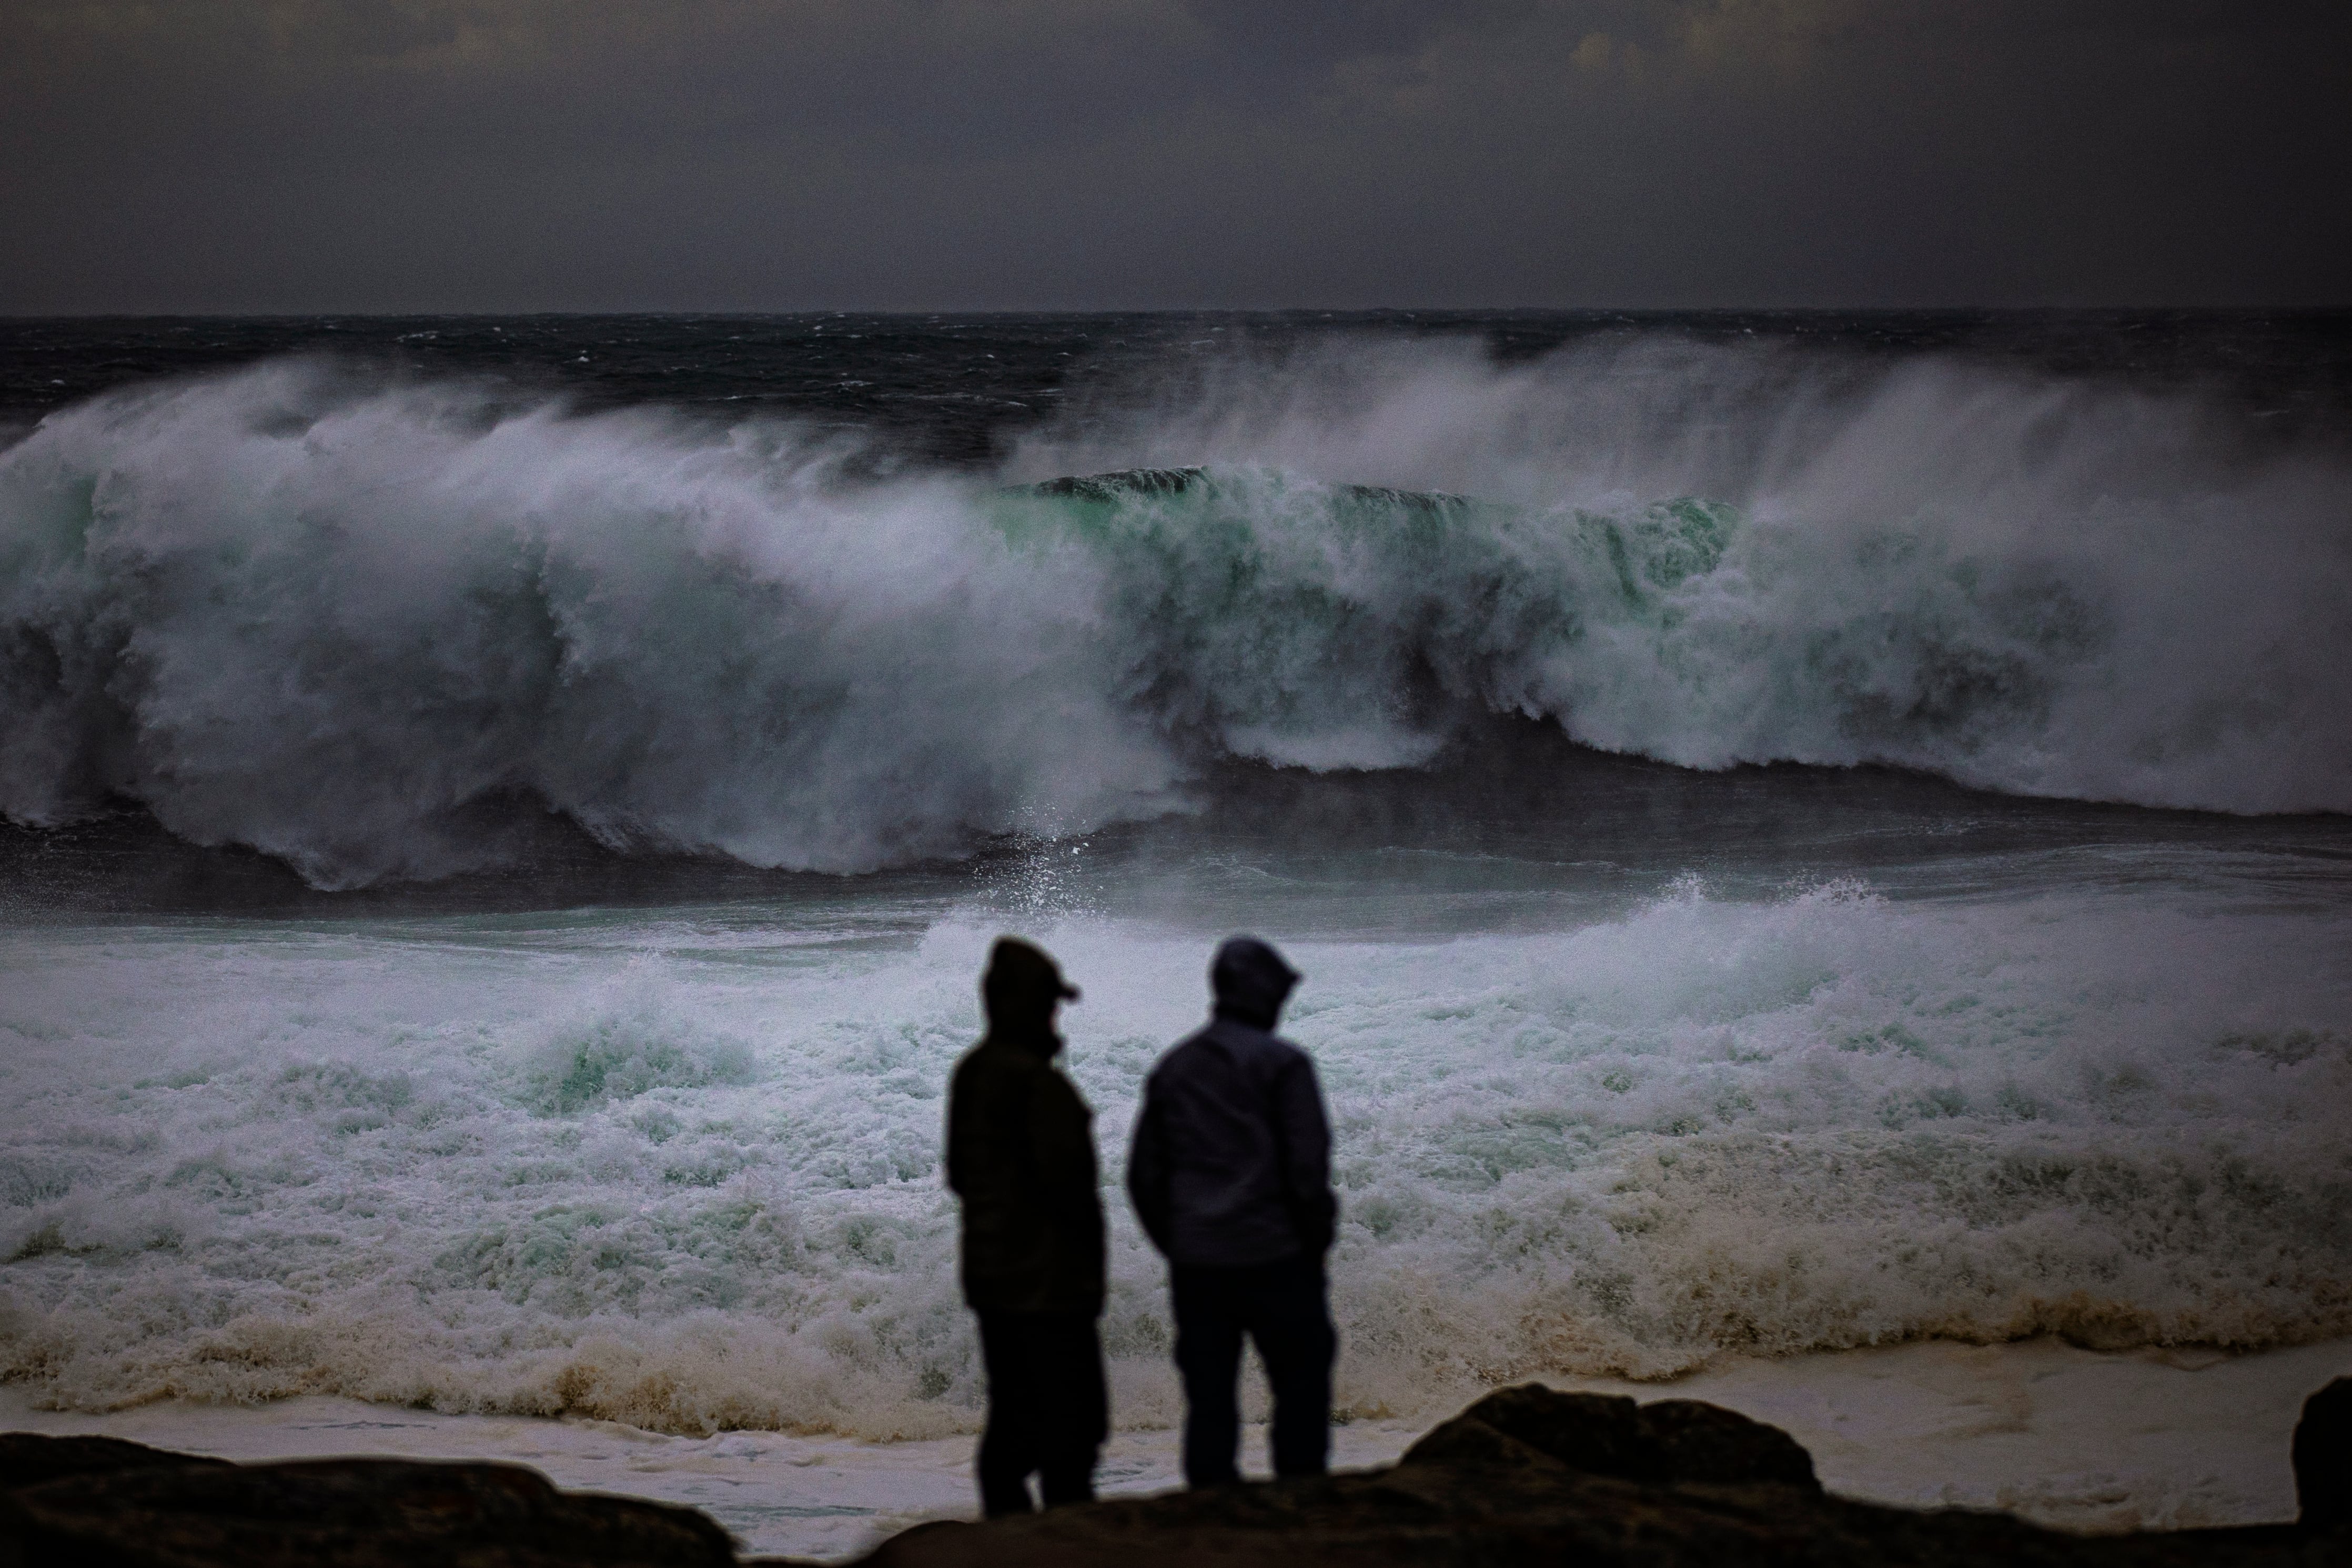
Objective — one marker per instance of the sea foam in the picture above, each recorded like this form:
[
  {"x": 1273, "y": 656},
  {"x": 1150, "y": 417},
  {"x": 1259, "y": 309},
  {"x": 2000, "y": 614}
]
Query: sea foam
[
  {"x": 359, "y": 623},
  {"x": 681, "y": 1169}
]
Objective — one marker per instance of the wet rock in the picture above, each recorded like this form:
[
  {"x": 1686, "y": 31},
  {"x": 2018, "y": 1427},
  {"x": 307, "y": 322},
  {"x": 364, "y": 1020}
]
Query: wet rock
[
  {"x": 28, "y": 1459},
  {"x": 1590, "y": 1432},
  {"x": 1525, "y": 1476},
  {"x": 1529, "y": 1474},
  {"x": 2323, "y": 1457},
  {"x": 349, "y": 1513},
  {"x": 1670, "y": 1442}
]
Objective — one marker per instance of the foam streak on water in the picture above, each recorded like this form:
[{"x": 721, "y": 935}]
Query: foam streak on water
[{"x": 680, "y": 1170}]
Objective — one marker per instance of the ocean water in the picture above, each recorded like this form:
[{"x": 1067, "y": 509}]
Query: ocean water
[{"x": 1804, "y": 834}]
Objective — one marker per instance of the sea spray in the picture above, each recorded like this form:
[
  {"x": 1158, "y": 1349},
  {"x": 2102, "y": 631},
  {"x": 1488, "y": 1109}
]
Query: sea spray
[
  {"x": 1624, "y": 1077},
  {"x": 370, "y": 627}
]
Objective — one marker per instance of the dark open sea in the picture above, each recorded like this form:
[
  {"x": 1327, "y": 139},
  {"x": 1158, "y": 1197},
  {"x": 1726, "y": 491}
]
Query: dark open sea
[{"x": 1804, "y": 831}]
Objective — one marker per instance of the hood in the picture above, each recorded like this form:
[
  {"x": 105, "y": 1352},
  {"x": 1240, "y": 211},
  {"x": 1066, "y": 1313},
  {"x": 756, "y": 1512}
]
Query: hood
[
  {"x": 1019, "y": 991},
  {"x": 1250, "y": 981}
]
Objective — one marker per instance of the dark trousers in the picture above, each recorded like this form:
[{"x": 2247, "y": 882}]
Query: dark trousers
[
  {"x": 1280, "y": 1306},
  {"x": 1047, "y": 1410}
]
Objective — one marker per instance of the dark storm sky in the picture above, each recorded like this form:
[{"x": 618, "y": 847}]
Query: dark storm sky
[{"x": 347, "y": 155}]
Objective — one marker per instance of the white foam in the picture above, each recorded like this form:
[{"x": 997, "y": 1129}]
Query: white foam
[
  {"x": 680, "y": 1170},
  {"x": 342, "y": 622}
]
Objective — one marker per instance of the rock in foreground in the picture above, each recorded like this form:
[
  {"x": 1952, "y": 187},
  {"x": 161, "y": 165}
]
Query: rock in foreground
[
  {"x": 151, "y": 1510},
  {"x": 1528, "y": 1475}
]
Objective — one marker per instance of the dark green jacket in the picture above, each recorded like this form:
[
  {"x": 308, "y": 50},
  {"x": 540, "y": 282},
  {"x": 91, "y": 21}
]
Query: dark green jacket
[{"x": 1020, "y": 1155}]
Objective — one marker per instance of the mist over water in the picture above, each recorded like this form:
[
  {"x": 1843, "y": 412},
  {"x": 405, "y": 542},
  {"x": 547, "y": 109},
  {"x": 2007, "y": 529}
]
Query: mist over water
[
  {"x": 343, "y": 621},
  {"x": 636, "y": 793}
]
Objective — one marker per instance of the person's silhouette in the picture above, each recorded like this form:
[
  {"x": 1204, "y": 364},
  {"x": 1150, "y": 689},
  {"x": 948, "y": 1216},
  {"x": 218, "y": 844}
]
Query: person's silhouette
[
  {"x": 1230, "y": 1174},
  {"x": 1021, "y": 1155}
]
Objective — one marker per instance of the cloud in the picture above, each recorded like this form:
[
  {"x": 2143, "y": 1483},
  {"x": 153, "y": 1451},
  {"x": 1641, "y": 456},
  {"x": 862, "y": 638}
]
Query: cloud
[{"x": 305, "y": 154}]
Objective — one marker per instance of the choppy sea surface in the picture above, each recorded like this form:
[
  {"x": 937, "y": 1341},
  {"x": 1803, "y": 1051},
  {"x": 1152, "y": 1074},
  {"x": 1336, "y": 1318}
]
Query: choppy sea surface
[{"x": 1804, "y": 831}]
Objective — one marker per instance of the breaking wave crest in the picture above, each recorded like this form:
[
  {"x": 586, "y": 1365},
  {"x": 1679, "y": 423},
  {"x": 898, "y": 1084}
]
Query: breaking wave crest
[{"x": 348, "y": 622}]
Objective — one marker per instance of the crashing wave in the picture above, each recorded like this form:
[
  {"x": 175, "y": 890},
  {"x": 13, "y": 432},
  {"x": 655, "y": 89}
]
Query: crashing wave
[{"x": 343, "y": 623}]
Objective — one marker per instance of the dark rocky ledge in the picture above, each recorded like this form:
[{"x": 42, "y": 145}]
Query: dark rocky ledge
[
  {"x": 93, "y": 1502},
  {"x": 1526, "y": 1475}
]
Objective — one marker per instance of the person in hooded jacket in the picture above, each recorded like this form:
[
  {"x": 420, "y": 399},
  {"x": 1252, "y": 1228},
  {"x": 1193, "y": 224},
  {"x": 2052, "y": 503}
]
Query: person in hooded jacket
[
  {"x": 1021, "y": 1155},
  {"x": 1230, "y": 1174}
]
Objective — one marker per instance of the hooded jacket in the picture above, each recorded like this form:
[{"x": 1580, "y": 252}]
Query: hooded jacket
[
  {"x": 1021, "y": 1152},
  {"x": 1230, "y": 1163}
]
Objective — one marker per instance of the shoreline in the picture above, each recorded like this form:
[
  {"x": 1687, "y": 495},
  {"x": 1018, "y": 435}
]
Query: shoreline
[{"x": 2079, "y": 1439}]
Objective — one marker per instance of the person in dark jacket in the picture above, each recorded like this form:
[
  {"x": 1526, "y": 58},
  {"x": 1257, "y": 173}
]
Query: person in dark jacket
[
  {"x": 1021, "y": 1155},
  {"x": 1230, "y": 1173}
]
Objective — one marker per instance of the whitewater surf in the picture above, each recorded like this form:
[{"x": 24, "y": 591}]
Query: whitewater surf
[{"x": 1795, "y": 846}]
